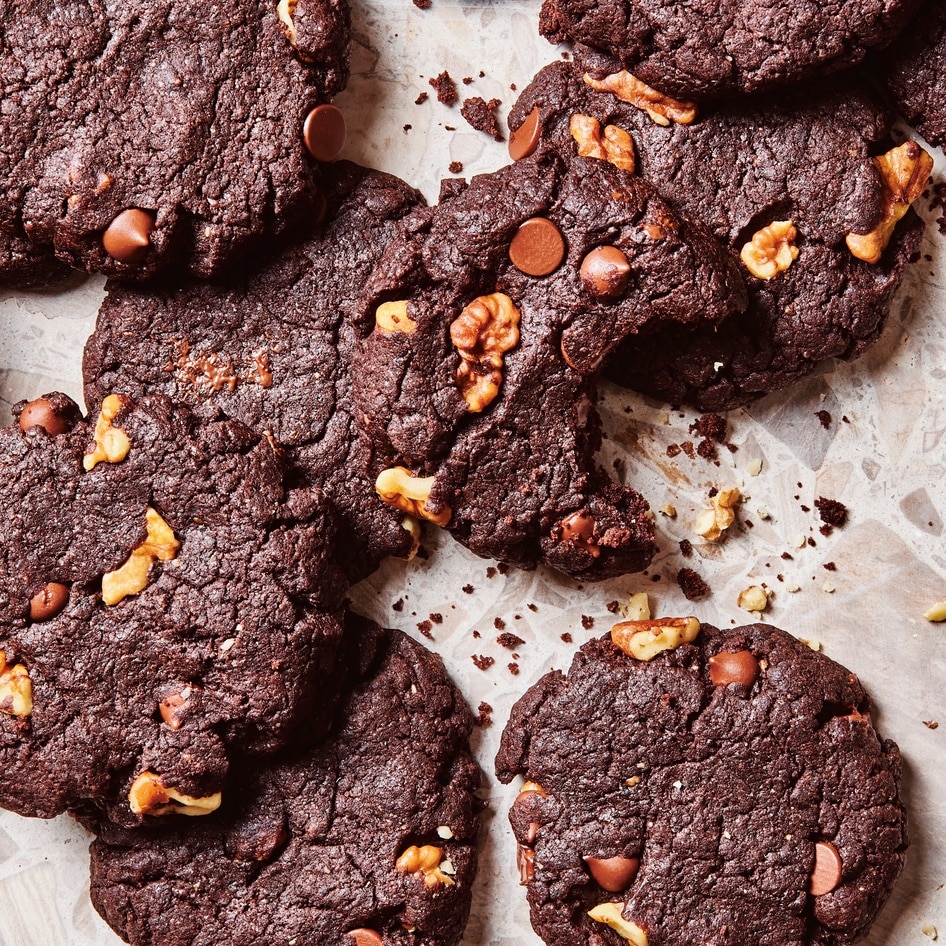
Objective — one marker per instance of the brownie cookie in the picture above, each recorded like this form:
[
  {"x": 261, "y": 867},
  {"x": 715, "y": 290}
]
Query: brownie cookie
[
  {"x": 493, "y": 314},
  {"x": 916, "y": 72},
  {"x": 807, "y": 197},
  {"x": 368, "y": 838},
  {"x": 135, "y": 135},
  {"x": 164, "y": 601},
  {"x": 692, "y": 785},
  {"x": 271, "y": 348},
  {"x": 704, "y": 50}
]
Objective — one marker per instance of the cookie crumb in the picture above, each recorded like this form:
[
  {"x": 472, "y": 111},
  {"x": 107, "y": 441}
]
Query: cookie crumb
[
  {"x": 455, "y": 167},
  {"x": 931, "y": 724},
  {"x": 532, "y": 607},
  {"x": 425, "y": 628},
  {"x": 832, "y": 512},
  {"x": 830, "y": 566},
  {"x": 499, "y": 624},
  {"x": 398, "y": 605},
  {"x": 485, "y": 717},
  {"x": 490, "y": 572},
  {"x": 407, "y": 128},
  {"x": 824, "y": 417},
  {"x": 467, "y": 80},
  {"x": 692, "y": 585},
  {"x": 436, "y": 617},
  {"x": 513, "y": 669},
  {"x": 587, "y": 622},
  {"x": 481, "y": 115},
  {"x": 509, "y": 641},
  {"x": 612, "y": 607},
  {"x": 686, "y": 548},
  {"x": 482, "y": 661},
  {"x": 567, "y": 638},
  {"x": 445, "y": 88},
  {"x": 422, "y": 98},
  {"x": 467, "y": 589}
]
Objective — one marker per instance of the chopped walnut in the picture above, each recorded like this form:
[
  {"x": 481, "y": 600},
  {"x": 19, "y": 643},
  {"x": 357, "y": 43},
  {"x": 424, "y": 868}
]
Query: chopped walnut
[
  {"x": 661, "y": 108},
  {"x": 937, "y": 612},
  {"x": 482, "y": 333},
  {"x": 611, "y": 915},
  {"x": 636, "y": 608},
  {"x": 132, "y": 577},
  {"x": 16, "y": 689},
  {"x": 284, "y": 11},
  {"x": 754, "y": 598},
  {"x": 427, "y": 862},
  {"x": 643, "y": 640},
  {"x": 416, "y": 531},
  {"x": 905, "y": 172},
  {"x": 397, "y": 487},
  {"x": 771, "y": 250},
  {"x": 111, "y": 443},
  {"x": 615, "y": 145},
  {"x": 392, "y": 317},
  {"x": 712, "y": 523},
  {"x": 148, "y": 795}
]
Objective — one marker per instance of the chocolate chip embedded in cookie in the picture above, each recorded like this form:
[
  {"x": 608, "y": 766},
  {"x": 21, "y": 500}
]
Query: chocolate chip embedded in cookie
[
  {"x": 272, "y": 347},
  {"x": 730, "y": 787},
  {"x": 493, "y": 313},
  {"x": 807, "y": 192},
  {"x": 710, "y": 50},
  {"x": 162, "y": 133},
  {"x": 161, "y": 609},
  {"x": 366, "y": 838}
]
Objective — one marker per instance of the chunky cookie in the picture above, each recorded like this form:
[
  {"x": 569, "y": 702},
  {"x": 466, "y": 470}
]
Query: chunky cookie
[
  {"x": 916, "y": 72},
  {"x": 493, "y": 315},
  {"x": 272, "y": 348},
  {"x": 704, "y": 50},
  {"x": 368, "y": 838},
  {"x": 139, "y": 134},
  {"x": 164, "y": 602},
  {"x": 807, "y": 197},
  {"x": 691, "y": 785}
]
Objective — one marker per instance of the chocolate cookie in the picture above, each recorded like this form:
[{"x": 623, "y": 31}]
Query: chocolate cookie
[
  {"x": 164, "y": 602},
  {"x": 693, "y": 785},
  {"x": 704, "y": 50},
  {"x": 368, "y": 838},
  {"x": 136, "y": 135},
  {"x": 805, "y": 196},
  {"x": 493, "y": 314},
  {"x": 916, "y": 72},
  {"x": 271, "y": 348}
]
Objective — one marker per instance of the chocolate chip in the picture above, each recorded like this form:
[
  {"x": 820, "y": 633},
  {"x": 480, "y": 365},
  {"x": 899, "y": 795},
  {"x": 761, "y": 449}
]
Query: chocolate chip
[
  {"x": 363, "y": 937},
  {"x": 613, "y": 874},
  {"x": 128, "y": 236},
  {"x": 827, "y": 871},
  {"x": 48, "y": 601},
  {"x": 43, "y": 413},
  {"x": 525, "y": 861},
  {"x": 605, "y": 272},
  {"x": 538, "y": 247},
  {"x": 525, "y": 139},
  {"x": 324, "y": 132},
  {"x": 738, "y": 667}
]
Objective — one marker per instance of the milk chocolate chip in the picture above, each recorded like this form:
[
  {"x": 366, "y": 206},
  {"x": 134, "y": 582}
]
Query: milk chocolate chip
[
  {"x": 364, "y": 937},
  {"x": 324, "y": 132},
  {"x": 48, "y": 601},
  {"x": 525, "y": 139},
  {"x": 44, "y": 413},
  {"x": 739, "y": 667},
  {"x": 827, "y": 871},
  {"x": 613, "y": 874},
  {"x": 525, "y": 861},
  {"x": 605, "y": 272},
  {"x": 538, "y": 247},
  {"x": 128, "y": 236}
]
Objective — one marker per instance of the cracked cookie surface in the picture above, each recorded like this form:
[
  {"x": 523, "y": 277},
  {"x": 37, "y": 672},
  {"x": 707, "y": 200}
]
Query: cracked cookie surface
[{"x": 730, "y": 790}]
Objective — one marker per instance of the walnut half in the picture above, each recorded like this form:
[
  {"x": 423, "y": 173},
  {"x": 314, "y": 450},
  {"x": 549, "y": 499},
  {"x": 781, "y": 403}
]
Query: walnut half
[
  {"x": 148, "y": 795},
  {"x": 643, "y": 640},
  {"x": 661, "y": 108},
  {"x": 426, "y": 862},
  {"x": 614, "y": 145},
  {"x": 399, "y": 488},
  {"x": 132, "y": 577},
  {"x": 16, "y": 689},
  {"x": 771, "y": 250}
]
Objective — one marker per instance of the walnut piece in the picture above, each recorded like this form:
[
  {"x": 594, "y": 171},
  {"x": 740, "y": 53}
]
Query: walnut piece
[
  {"x": 392, "y": 317},
  {"x": 148, "y": 795},
  {"x": 610, "y": 915},
  {"x": 771, "y": 250},
  {"x": 427, "y": 862},
  {"x": 905, "y": 172},
  {"x": 712, "y": 523},
  {"x": 937, "y": 612},
  {"x": 284, "y": 11},
  {"x": 111, "y": 443},
  {"x": 636, "y": 608},
  {"x": 643, "y": 640},
  {"x": 754, "y": 598},
  {"x": 397, "y": 487},
  {"x": 482, "y": 333},
  {"x": 415, "y": 529},
  {"x": 661, "y": 108},
  {"x": 615, "y": 145},
  {"x": 16, "y": 689},
  {"x": 132, "y": 577}
]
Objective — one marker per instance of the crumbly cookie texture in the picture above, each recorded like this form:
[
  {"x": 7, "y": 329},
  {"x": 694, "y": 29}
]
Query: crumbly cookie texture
[
  {"x": 729, "y": 787},
  {"x": 794, "y": 187},
  {"x": 367, "y": 837},
  {"x": 510, "y": 295},
  {"x": 162, "y": 133},
  {"x": 707, "y": 50},
  {"x": 170, "y": 605},
  {"x": 272, "y": 348}
]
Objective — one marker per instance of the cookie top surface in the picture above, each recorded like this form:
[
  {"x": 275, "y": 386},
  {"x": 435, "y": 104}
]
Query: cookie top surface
[
  {"x": 159, "y": 611},
  {"x": 187, "y": 116},
  {"x": 272, "y": 349},
  {"x": 493, "y": 315},
  {"x": 308, "y": 848},
  {"x": 730, "y": 790},
  {"x": 741, "y": 169},
  {"x": 704, "y": 50},
  {"x": 916, "y": 72}
]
